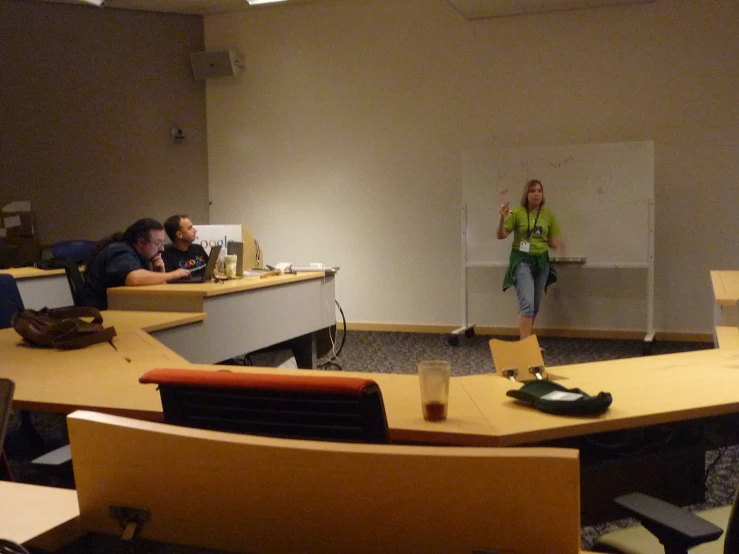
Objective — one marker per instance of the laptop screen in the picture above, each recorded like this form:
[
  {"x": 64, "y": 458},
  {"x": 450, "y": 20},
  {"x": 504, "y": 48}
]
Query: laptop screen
[
  {"x": 211, "y": 265},
  {"x": 199, "y": 275}
]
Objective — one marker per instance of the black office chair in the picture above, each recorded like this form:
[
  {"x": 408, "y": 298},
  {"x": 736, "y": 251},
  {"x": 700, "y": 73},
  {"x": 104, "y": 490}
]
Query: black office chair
[
  {"x": 74, "y": 278},
  {"x": 341, "y": 409},
  {"x": 70, "y": 254},
  {"x": 6, "y": 398},
  {"x": 668, "y": 529}
]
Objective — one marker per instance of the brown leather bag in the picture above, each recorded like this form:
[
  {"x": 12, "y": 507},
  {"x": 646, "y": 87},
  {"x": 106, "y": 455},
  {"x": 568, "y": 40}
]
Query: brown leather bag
[{"x": 62, "y": 327}]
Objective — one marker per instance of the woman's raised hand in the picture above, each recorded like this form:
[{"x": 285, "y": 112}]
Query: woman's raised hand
[{"x": 505, "y": 209}]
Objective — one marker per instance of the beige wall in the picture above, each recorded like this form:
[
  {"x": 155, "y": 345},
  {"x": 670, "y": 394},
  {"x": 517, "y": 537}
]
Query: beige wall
[
  {"x": 342, "y": 143},
  {"x": 342, "y": 140},
  {"x": 87, "y": 101}
]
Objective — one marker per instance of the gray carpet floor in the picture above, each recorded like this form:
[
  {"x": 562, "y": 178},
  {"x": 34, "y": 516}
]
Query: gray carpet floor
[{"x": 399, "y": 353}]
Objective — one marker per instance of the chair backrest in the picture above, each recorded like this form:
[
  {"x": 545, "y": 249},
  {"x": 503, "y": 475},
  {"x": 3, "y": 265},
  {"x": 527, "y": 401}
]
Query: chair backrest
[
  {"x": 6, "y": 398},
  {"x": 516, "y": 354},
  {"x": 74, "y": 278},
  {"x": 10, "y": 299},
  {"x": 244, "y": 493},
  {"x": 75, "y": 250},
  {"x": 291, "y": 406}
]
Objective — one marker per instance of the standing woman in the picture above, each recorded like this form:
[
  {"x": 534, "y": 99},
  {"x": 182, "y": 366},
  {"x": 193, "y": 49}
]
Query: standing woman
[{"x": 534, "y": 229}]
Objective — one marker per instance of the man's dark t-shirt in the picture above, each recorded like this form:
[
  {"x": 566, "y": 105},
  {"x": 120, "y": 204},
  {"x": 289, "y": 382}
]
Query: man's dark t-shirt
[
  {"x": 191, "y": 258},
  {"x": 110, "y": 269}
]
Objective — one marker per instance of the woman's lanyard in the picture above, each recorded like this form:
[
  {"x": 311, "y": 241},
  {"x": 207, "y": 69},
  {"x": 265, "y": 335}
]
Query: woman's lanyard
[{"x": 528, "y": 222}]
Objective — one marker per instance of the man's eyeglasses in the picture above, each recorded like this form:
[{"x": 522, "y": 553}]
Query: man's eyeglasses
[{"x": 158, "y": 243}]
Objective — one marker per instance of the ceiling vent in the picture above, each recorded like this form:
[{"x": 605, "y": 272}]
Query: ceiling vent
[{"x": 481, "y": 9}]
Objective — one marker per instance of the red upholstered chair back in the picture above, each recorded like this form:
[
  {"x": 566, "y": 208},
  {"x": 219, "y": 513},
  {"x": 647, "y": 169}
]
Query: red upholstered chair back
[{"x": 342, "y": 409}]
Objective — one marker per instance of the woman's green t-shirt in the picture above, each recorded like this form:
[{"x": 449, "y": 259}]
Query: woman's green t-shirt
[{"x": 535, "y": 227}]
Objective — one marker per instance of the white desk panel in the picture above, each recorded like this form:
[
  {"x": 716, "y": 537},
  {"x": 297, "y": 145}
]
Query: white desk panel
[{"x": 245, "y": 321}]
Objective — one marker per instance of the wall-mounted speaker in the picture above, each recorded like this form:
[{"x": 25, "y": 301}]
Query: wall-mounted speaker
[{"x": 226, "y": 63}]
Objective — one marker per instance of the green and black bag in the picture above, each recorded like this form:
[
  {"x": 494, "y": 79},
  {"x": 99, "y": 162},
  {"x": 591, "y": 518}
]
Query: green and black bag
[{"x": 553, "y": 398}]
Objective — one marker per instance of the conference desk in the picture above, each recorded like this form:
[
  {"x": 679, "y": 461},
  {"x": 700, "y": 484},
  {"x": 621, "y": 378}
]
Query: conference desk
[
  {"x": 726, "y": 293},
  {"x": 669, "y": 404},
  {"x": 244, "y": 315},
  {"x": 101, "y": 377},
  {"x": 726, "y": 336},
  {"x": 105, "y": 379},
  {"x": 647, "y": 391},
  {"x": 667, "y": 412},
  {"x": 41, "y": 517},
  {"x": 41, "y": 288}
]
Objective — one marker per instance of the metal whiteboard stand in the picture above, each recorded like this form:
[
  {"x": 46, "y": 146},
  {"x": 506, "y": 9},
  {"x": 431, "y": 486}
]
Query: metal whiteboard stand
[
  {"x": 468, "y": 329},
  {"x": 649, "y": 338}
]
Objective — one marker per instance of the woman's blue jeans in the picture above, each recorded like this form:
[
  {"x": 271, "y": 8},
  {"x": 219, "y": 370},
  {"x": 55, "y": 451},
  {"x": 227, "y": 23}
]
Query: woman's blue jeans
[{"x": 530, "y": 285}]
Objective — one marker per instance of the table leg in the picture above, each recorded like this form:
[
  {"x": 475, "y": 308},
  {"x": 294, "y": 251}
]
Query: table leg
[{"x": 304, "y": 350}]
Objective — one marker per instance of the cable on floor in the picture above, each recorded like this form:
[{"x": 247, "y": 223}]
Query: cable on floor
[
  {"x": 710, "y": 468},
  {"x": 331, "y": 362}
]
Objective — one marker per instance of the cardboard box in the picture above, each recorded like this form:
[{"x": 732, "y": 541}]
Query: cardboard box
[
  {"x": 17, "y": 220},
  {"x": 20, "y": 224}
]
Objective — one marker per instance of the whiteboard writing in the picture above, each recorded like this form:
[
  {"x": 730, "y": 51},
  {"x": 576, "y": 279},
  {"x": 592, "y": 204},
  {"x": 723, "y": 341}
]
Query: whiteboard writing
[{"x": 600, "y": 194}]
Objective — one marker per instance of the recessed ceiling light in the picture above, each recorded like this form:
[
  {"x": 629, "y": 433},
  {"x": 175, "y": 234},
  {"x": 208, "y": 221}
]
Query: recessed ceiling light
[
  {"x": 98, "y": 3},
  {"x": 257, "y": 2}
]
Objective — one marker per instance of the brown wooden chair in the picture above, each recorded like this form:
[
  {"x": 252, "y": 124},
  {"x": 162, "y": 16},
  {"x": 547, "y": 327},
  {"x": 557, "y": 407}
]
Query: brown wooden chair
[{"x": 518, "y": 356}]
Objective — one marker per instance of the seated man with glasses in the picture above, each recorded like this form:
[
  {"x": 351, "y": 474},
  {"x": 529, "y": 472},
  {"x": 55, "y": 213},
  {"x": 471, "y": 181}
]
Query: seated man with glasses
[{"x": 131, "y": 258}]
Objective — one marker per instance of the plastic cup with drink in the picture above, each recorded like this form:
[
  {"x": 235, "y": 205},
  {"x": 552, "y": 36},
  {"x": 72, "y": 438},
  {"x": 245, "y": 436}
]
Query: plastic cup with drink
[{"x": 433, "y": 377}]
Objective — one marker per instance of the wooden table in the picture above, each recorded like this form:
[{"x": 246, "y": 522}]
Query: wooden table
[
  {"x": 105, "y": 379},
  {"x": 667, "y": 411},
  {"x": 655, "y": 398},
  {"x": 649, "y": 390},
  {"x": 42, "y": 517},
  {"x": 726, "y": 293},
  {"x": 41, "y": 288},
  {"x": 244, "y": 315},
  {"x": 726, "y": 336},
  {"x": 99, "y": 377}
]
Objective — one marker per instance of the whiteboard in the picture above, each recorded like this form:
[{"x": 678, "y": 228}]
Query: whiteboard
[{"x": 600, "y": 194}]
